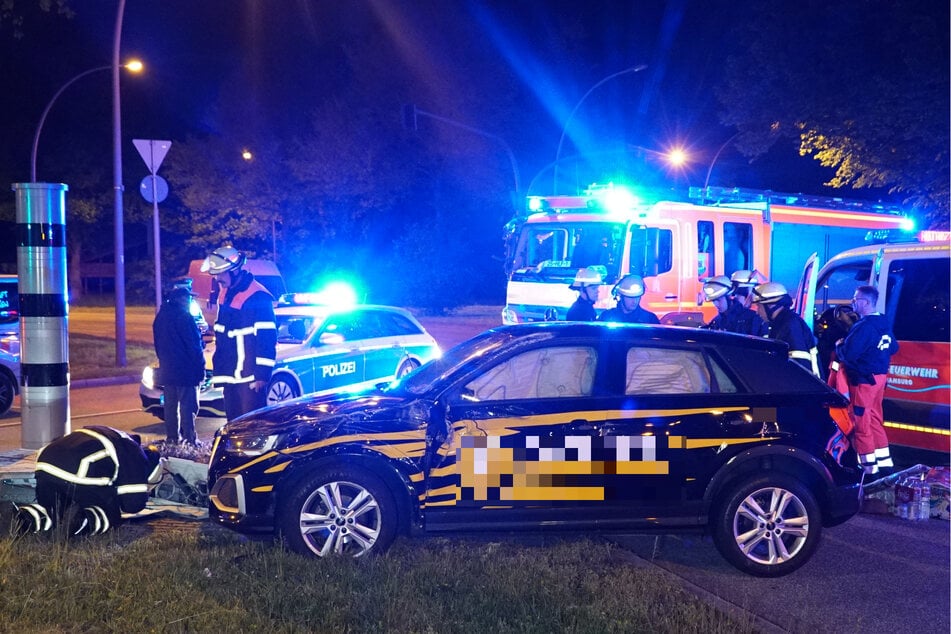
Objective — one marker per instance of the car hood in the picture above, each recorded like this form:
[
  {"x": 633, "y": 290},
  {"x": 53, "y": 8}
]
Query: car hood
[{"x": 333, "y": 414}]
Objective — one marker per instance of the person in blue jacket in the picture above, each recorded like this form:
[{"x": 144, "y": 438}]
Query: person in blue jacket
[
  {"x": 245, "y": 333},
  {"x": 628, "y": 292},
  {"x": 179, "y": 348},
  {"x": 865, "y": 353}
]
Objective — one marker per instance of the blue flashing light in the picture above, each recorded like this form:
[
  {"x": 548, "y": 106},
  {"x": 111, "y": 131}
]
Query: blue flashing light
[
  {"x": 535, "y": 203},
  {"x": 908, "y": 224},
  {"x": 334, "y": 294}
]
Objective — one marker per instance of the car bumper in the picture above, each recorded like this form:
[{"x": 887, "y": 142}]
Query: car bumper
[{"x": 211, "y": 402}]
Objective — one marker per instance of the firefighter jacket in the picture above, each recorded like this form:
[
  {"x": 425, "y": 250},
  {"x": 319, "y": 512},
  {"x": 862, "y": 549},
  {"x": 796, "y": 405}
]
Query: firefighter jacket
[
  {"x": 581, "y": 310},
  {"x": 867, "y": 349},
  {"x": 245, "y": 334},
  {"x": 636, "y": 316},
  {"x": 178, "y": 346},
  {"x": 789, "y": 327},
  {"x": 739, "y": 319},
  {"x": 97, "y": 465}
]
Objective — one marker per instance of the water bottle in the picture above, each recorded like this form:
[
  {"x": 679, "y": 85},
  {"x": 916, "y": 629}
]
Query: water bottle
[
  {"x": 914, "y": 505},
  {"x": 902, "y": 497},
  {"x": 924, "y": 511}
]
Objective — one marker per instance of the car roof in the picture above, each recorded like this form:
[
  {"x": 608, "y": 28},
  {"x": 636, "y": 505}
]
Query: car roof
[
  {"x": 324, "y": 310},
  {"x": 642, "y": 332}
]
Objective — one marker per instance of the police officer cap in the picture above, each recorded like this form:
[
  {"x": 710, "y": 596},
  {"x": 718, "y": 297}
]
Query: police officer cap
[{"x": 716, "y": 287}]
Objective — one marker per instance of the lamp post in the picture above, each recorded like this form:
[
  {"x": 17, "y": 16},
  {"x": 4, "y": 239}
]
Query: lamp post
[
  {"x": 564, "y": 130},
  {"x": 134, "y": 66},
  {"x": 119, "y": 235},
  {"x": 706, "y": 181}
]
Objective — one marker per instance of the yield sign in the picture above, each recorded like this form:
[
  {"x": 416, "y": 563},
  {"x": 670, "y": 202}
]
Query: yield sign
[{"x": 152, "y": 152}]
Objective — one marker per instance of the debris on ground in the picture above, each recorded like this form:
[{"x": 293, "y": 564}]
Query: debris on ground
[{"x": 917, "y": 493}]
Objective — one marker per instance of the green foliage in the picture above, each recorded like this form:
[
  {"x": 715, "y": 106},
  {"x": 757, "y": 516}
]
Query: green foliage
[
  {"x": 861, "y": 84},
  {"x": 184, "y": 579}
]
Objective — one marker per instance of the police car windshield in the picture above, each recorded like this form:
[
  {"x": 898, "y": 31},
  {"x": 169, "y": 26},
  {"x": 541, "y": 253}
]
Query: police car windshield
[{"x": 457, "y": 359}]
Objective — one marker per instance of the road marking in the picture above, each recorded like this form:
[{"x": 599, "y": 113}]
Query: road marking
[{"x": 121, "y": 411}]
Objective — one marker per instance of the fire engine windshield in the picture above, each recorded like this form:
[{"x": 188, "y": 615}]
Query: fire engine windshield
[{"x": 557, "y": 250}]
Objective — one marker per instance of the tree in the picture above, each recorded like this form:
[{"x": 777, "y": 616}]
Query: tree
[{"x": 861, "y": 84}]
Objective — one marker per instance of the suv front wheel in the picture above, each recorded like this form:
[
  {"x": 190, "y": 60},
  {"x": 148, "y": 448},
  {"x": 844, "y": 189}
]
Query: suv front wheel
[
  {"x": 339, "y": 511},
  {"x": 768, "y": 525}
]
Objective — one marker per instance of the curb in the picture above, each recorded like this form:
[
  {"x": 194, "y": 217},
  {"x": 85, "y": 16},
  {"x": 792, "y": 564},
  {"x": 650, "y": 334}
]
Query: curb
[{"x": 106, "y": 380}]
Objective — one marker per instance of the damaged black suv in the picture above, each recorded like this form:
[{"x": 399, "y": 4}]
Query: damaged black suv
[{"x": 555, "y": 426}]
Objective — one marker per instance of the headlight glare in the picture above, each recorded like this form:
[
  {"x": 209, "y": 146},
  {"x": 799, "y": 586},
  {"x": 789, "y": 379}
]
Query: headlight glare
[{"x": 250, "y": 445}]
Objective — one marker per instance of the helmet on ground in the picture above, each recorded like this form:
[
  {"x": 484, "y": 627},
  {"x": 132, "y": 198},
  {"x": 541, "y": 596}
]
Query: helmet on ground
[
  {"x": 716, "y": 287},
  {"x": 769, "y": 293},
  {"x": 588, "y": 276},
  {"x": 630, "y": 286},
  {"x": 222, "y": 260}
]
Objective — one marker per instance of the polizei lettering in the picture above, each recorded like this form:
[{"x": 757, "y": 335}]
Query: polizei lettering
[
  {"x": 907, "y": 370},
  {"x": 339, "y": 369}
]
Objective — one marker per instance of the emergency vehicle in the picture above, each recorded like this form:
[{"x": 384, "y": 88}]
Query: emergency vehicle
[
  {"x": 674, "y": 246},
  {"x": 913, "y": 283}
]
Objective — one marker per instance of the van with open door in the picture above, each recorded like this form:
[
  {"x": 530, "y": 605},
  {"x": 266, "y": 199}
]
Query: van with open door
[{"x": 913, "y": 283}]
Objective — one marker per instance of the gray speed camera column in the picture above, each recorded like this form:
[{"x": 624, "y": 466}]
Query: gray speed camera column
[{"x": 44, "y": 347}]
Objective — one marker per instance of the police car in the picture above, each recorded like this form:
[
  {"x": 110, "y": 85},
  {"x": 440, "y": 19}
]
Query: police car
[
  {"x": 9, "y": 370},
  {"x": 555, "y": 426},
  {"x": 323, "y": 348}
]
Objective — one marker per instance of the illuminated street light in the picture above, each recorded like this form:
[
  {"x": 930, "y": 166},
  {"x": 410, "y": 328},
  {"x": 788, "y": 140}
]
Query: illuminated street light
[
  {"x": 677, "y": 157},
  {"x": 134, "y": 66},
  {"x": 246, "y": 155},
  {"x": 564, "y": 130}
]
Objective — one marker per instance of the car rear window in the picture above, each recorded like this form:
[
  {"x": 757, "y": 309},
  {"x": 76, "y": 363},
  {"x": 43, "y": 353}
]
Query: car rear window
[{"x": 765, "y": 371}]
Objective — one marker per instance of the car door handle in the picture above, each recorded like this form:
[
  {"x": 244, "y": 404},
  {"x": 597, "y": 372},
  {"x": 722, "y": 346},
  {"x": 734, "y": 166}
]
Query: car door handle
[{"x": 580, "y": 424}]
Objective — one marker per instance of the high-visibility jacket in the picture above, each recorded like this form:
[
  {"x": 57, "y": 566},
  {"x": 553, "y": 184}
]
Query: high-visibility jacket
[
  {"x": 96, "y": 466},
  {"x": 245, "y": 334}
]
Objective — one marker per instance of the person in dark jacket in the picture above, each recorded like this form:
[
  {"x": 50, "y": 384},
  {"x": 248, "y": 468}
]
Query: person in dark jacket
[
  {"x": 865, "y": 353},
  {"x": 181, "y": 365},
  {"x": 732, "y": 316},
  {"x": 90, "y": 477},
  {"x": 775, "y": 307},
  {"x": 587, "y": 281},
  {"x": 245, "y": 333},
  {"x": 628, "y": 292}
]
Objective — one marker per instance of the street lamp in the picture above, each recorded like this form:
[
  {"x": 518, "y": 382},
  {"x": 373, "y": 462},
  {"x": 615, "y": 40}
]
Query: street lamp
[
  {"x": 134, "y": 66},
  {"x": 706, "y": 181},
  {"x": 564, "y": 130}
]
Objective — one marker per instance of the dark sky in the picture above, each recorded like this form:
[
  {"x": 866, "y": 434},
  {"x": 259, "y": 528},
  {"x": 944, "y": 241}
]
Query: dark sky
[{"x": 278, "y": 55}]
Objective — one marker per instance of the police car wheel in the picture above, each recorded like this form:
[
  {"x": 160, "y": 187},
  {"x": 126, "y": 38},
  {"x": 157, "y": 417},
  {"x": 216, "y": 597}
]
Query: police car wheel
[
  {"x": 280, "y": 389},
  {"x": 768, "y": 525},
  {"x": 7, "y": 392},
  {"x": 339, "y": 511},
  {"x": 405, "y": 368}
]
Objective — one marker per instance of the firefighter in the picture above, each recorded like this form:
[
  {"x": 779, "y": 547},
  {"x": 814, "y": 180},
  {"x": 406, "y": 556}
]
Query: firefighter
[
  {"x": 732, "y": 316},
  {"x": 743, "y": 282},
  {"x": 775, "y": 307},
  {"x": 586, "y": 282},
  {"x": 245, "y": 333},
  {"x": 628, "y": 292},
  {"x": 865, "y": 353},
  {"x": 90, "y": 477}
]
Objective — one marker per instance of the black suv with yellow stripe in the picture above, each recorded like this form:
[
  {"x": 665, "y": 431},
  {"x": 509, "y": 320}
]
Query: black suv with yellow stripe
[{"x": 555, "y": 426}]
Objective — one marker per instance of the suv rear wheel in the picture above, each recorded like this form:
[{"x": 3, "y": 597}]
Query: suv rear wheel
[
  {"x": 768, "y": 525},
  {"x": 339, "y": 511}
]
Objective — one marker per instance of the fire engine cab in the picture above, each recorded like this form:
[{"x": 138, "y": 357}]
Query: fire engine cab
[{"x": 674, "y": 246}]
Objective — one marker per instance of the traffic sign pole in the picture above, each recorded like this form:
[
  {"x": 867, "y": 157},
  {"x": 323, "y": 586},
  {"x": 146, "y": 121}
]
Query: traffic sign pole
[{"x": 153, "y": 153}]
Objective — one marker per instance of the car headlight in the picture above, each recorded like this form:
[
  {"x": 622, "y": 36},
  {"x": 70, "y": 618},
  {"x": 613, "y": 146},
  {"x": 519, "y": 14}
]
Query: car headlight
[
  {"x": 249, "y": 445},
  {"x": 148, "y": 377}
]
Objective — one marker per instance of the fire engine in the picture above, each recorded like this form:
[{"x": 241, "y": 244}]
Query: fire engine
[{"x": 674, "y": 245}]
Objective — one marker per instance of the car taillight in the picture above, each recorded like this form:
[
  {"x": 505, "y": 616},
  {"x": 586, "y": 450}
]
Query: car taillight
[{"x": 842, "y": 420}]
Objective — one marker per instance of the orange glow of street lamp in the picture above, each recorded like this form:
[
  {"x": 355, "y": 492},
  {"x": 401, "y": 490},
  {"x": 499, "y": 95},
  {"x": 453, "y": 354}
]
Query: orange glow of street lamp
[
  {"x": 246, "y": 155},
  {"x": 677, "y": 157}
]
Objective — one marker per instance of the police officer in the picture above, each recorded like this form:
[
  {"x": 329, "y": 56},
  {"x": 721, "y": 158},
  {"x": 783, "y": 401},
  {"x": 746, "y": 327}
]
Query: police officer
[
  {"x": 775, "y": 307},
  {"x": 91, "y": 476},
  {"x": 732, "y": 316},
  {"x": 628, "y": 292},
  {"x": 245, "y": 333},
  {"x": 586, "y": 282}
]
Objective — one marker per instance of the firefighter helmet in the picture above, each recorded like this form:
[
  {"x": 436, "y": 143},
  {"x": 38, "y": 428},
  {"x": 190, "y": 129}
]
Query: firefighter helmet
[
  {"x": 769, "y": 293},
  {"x": 222, "y": 260},
  {"x": 588, "y": 276},
  {"x": 745, "y": 278},
  {"x": 630, "y": 286},
  {"x": 716, "y": 287}
]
